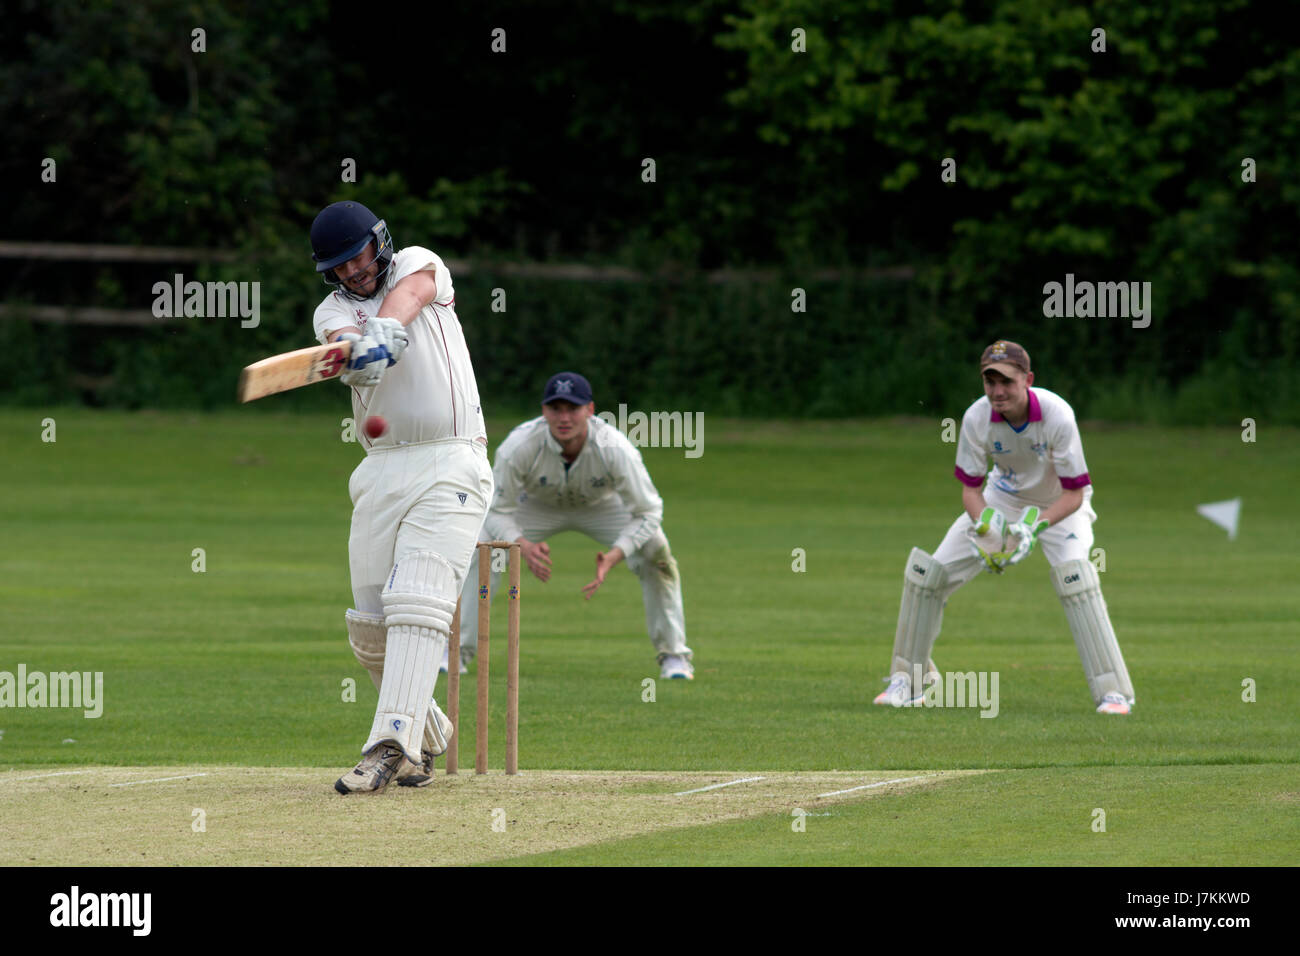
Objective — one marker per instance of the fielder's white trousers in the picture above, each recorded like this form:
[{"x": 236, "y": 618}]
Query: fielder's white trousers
[
  {"x": 430, "y": 496},
  {"x": 653, "y": 564},
  {"x": 1067, "y": 540}
]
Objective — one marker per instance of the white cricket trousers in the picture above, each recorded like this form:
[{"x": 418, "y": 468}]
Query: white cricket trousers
[
  {"x": 427, "y": 496},
  {"x": 661, "y": 585}
]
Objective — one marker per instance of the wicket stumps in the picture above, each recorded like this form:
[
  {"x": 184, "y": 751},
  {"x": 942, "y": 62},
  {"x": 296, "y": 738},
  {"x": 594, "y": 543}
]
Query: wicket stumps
[{"x": 485, "y": 549}]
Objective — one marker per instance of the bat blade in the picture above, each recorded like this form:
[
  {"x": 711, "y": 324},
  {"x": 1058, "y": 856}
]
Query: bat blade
[{"x": 280, "y": 373}]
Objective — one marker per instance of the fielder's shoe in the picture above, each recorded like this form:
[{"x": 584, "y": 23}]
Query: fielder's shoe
[
  {"x": 675, "y": 667},
  {"x": 442, "y": 668},
  {"x": 899, "y": 692},
  {"x": 1114, "y": 704},
  {"x": 373, "y": 773}
]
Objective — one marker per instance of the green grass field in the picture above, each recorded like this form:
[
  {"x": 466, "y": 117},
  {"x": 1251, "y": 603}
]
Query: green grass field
[{"x": 243, "y": 665}]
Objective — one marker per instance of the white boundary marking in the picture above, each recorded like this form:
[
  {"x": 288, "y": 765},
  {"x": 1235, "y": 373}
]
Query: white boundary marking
[
  {"x": 718, "y": 786},
  {"x": 42, "y": 776},
  {"x": 132, "y": 783},
  {"x": 868, "y": 786}
]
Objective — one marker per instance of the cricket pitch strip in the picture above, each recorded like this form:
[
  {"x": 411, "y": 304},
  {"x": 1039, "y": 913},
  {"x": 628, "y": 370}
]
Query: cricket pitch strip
[{"x": 291, "y": 816}]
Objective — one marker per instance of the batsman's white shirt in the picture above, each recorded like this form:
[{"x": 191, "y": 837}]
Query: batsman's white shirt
[
  {"x": 529, "y": 467},
  {"x": 1032, "y": 463},
  {"x": 431, "y": 394}
]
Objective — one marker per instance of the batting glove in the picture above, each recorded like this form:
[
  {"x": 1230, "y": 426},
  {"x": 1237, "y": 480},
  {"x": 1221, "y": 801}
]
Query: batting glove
[
  {"x": 1027, "y": 529},
  {"x": 391, "y": 334},
  {"x": 368, "y": 361}
]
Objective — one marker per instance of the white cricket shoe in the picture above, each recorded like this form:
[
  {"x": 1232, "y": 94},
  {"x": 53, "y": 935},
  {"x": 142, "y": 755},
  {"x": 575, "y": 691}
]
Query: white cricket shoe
[
  {"x": 373, "y": 773},
  {"x": 1114, "y": 704},
  {"x": 675, "y": 667},
  {"x": 899, "y": 692},
  {"x": 442, "y": 668}
]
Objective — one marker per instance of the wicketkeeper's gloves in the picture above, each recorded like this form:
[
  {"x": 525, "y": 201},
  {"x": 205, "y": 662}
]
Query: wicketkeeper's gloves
[
  {"x": 987, "y": 535},
  {"x": 1027, "y": 529},
  {"x": 991, "y": 522}
]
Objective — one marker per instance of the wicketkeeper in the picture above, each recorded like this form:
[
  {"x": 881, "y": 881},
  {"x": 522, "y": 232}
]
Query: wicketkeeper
[{"x": 1038, "y": 495}]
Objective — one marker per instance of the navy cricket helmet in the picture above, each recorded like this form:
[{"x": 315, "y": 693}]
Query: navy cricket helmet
[{"x": 341, "y": 232}]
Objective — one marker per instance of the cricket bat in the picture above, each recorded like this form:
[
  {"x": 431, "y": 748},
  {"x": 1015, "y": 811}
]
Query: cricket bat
[{"x": 279, "y": 373}]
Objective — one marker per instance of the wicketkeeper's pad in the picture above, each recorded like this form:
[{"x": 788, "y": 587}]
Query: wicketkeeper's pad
[
  {"x": 920, "y": 615},
  {"x": 1079, "y": 588}
]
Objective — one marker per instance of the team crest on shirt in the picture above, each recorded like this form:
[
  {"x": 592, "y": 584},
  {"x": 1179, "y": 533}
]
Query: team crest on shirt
[
  {"x": 541, "y": 480},
  {"x": 598, "y": 482},
  {"x": 1039, "y": 448},
  {"x": 997, "y": 448},
  {"x": 462, "y": 496}
]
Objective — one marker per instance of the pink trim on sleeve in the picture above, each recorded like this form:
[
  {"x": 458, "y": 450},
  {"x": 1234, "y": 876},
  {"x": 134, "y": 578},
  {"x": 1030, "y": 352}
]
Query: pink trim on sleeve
[
  {"x": 970, "y": 481},
  {"x": 1069, "y": 484}
]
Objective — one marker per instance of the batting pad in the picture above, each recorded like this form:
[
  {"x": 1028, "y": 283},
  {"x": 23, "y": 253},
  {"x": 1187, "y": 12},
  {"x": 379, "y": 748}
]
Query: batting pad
[
  {"x": 437, "y": 728},
  {"x": 419, "y": 602},
  {"x": 368, "y": 637},
  {"x": 1079, "y": 589},
  {"x": 920, "y": 614}
]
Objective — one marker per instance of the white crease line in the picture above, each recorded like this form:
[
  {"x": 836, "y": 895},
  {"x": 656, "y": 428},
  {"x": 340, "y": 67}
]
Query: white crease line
[
  {"x": 42, "y": 776},
  {"x": 718, "y": 785},
  {"x": 132, "y": 783},
  {"x": 868, "y": 786}
]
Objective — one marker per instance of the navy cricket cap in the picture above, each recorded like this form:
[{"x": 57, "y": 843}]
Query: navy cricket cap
[{"x": 567, "y": 387}]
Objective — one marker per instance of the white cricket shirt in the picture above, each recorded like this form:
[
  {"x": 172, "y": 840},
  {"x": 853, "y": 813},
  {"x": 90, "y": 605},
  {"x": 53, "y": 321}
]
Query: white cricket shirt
[
  {"x": 1032, "y": 464},
  {"x": 529, "y": 467},
  {"x": 431, "y": 392}
]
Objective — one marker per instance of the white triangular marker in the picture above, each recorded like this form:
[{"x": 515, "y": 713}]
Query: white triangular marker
[{"x": 1225, "y": 514}]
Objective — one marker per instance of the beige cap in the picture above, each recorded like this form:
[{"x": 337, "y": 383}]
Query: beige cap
[{"x": 1006, "y": 357}]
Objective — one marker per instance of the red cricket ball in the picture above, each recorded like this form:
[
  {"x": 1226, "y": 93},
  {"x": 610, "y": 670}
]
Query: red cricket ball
[{"x": 375, "y": 426}]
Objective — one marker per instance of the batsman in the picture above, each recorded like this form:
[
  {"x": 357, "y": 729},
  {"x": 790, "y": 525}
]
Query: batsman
[
  {"x": 420, "y": 494},
  {"x": 1038, "y": 495}
]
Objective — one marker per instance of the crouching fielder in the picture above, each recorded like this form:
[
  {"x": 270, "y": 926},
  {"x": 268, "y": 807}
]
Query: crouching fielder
[
  {"x": 569, "y": 470},
  {"x": 420, "y": 494},
  {"x": 1038, "y": 494}
]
